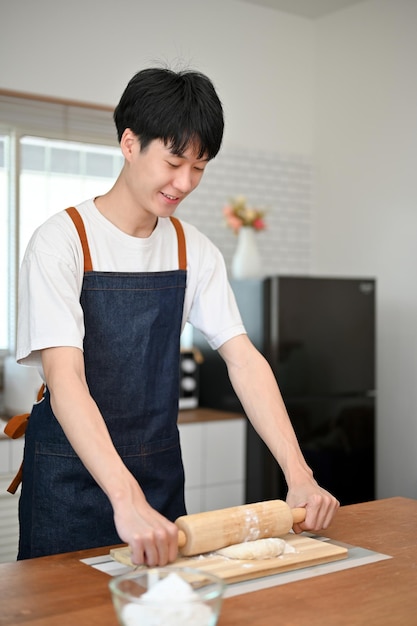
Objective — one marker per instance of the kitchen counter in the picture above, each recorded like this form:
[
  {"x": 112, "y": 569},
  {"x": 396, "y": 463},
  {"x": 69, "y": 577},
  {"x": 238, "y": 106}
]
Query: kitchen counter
[
  {"x": 185, "y": 416},
  {"x": 201, "y": 414},
  {"x": 62, "y": 590}
]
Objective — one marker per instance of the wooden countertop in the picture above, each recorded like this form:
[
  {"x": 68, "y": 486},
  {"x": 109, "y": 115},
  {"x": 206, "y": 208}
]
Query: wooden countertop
[
  {"x": 201, "y": 414},
  {"x": 186, "y": 416},
  {"x": 61, "y": 590}
]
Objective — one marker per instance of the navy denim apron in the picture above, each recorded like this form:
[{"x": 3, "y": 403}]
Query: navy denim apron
[{"x": 131, "y": 352}]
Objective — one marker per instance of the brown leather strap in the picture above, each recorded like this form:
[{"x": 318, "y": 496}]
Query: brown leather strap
[
  {"x": 182, "y": 250},
  {"x": 79, "y": 225},
  {"x": 16, "y": 426},
  {"x": 12, "y": 488},
  {"x": 88, "y": 266}
]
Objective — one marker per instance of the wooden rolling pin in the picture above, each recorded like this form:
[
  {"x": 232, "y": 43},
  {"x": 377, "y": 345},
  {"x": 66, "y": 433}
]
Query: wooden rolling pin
[{"x": 212, "y": 530}]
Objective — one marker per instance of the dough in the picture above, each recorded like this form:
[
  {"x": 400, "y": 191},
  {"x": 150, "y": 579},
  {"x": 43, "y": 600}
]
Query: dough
[{"x": 259, "y": 549}]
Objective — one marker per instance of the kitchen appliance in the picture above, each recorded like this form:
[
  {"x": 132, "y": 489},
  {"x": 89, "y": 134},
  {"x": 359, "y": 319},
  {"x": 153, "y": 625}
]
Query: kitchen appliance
[
  {"x": 318, "y": 334},
  {"x": 189, "y": 392}
]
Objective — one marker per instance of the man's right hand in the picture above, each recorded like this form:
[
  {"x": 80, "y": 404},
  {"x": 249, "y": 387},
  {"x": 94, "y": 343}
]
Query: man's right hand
[{"x": 153, "y": 540}]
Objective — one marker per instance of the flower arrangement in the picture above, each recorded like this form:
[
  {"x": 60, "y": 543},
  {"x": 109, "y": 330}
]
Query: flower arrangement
[{"x": 237, "y": 214}]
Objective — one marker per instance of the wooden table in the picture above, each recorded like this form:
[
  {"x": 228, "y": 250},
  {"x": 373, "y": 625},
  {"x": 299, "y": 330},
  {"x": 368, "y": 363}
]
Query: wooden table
[{"x": 62, "y": 591}]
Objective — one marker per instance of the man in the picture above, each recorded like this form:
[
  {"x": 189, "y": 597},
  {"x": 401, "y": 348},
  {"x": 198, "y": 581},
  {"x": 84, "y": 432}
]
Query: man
[{"x": 105, "y": 289}]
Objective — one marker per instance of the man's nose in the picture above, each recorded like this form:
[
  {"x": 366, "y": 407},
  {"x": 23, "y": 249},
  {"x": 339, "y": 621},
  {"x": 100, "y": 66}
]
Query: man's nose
[{"x": 183, "y": 180}]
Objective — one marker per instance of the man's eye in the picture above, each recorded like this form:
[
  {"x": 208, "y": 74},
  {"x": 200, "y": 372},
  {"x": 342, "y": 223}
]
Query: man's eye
[{"x": 173, "y": 164}]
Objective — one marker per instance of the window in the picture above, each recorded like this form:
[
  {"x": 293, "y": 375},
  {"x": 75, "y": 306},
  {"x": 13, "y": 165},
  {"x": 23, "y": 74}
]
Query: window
[
  {"x": 4, "y": 242},
  {"x": 52, "y": 155},
  {"x": 56, "y": 174}
]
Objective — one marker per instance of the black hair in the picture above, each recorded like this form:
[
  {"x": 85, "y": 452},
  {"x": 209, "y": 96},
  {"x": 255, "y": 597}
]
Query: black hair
[{"x": 181, "y": 108}]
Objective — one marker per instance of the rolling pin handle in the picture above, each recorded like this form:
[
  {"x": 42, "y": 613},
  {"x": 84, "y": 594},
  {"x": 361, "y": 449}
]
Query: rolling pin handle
[
  {"x": 298, "y": 515},
  {"x": 182, "y": 538}
]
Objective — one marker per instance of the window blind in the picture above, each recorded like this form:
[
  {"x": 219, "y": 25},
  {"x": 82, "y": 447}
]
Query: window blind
[{"x": 57, "y": 119}]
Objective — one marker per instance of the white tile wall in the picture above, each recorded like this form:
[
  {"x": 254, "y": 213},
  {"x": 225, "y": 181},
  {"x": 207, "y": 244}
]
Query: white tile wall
[{"x": 280, "y": 183}]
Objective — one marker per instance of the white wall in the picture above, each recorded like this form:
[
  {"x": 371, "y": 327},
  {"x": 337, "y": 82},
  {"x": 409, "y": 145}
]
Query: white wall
[
  {"x": 259, "y": 60},
  {"x": 359, "y": 123},
  {"x": 366, "y": 215}
]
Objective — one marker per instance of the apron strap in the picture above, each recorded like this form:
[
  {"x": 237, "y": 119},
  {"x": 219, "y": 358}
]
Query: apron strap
[
  {"x": 88, "y": 266},
  {"x": 12, "y": 488},
  {"x": 79, "y": 225},
  {"x": 15, "y": 428},
  {"x": 182, "y": 250}
]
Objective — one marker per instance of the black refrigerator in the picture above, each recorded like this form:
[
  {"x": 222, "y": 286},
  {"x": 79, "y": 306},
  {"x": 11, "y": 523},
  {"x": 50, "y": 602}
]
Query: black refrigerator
[{"x": 318, "y": 334}]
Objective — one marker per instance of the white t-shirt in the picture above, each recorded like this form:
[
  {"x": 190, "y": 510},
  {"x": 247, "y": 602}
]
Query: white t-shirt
[{"x": 51, "y": 279}]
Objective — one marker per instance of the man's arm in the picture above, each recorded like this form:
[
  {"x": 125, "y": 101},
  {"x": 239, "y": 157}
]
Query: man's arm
[
  {"x": 257, "y": 389},
  {"x": 152, "y": 538}
]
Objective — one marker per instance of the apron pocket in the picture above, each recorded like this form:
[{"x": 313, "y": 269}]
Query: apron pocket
[
  {"x": 62, "y": 507},
  {"x": 158, "y": 468}
]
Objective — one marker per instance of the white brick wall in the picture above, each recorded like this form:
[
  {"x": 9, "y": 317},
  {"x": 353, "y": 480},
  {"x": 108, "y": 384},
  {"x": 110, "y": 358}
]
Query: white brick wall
[{"x": 280, "y": 183}]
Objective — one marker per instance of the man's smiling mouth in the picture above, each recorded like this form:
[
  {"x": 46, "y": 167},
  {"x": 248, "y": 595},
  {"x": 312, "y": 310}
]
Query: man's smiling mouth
[{"x": 169, "y": 197}]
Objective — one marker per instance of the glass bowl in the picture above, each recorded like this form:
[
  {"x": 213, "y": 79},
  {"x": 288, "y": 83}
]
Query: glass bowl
[{"x": 167, "y": 596}]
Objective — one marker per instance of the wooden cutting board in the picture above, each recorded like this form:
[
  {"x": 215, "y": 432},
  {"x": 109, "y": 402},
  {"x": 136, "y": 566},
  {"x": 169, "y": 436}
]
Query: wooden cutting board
[{"x": 308, "y": 552}]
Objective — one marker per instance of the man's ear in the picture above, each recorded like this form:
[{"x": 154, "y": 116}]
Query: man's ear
[{"x": 129, "y": 143}]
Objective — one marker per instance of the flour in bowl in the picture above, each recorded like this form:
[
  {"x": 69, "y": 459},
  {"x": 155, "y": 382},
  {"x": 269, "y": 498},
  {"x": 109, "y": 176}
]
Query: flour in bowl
[{"x": 172, "y": 602}]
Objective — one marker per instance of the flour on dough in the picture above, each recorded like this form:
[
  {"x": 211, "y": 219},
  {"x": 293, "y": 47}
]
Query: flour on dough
[{"x": 259, "y": 549}]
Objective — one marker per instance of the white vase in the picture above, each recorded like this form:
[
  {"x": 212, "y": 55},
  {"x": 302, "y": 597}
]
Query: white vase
[{"x": 246, "y": 262}]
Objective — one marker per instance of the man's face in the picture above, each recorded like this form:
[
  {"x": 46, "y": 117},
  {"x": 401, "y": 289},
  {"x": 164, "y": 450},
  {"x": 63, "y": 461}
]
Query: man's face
[{"x": 159, "y": 180}]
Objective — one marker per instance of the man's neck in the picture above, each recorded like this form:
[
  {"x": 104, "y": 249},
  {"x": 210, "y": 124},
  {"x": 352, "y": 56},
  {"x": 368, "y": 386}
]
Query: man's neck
[{"x": 117, "y": 208}]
